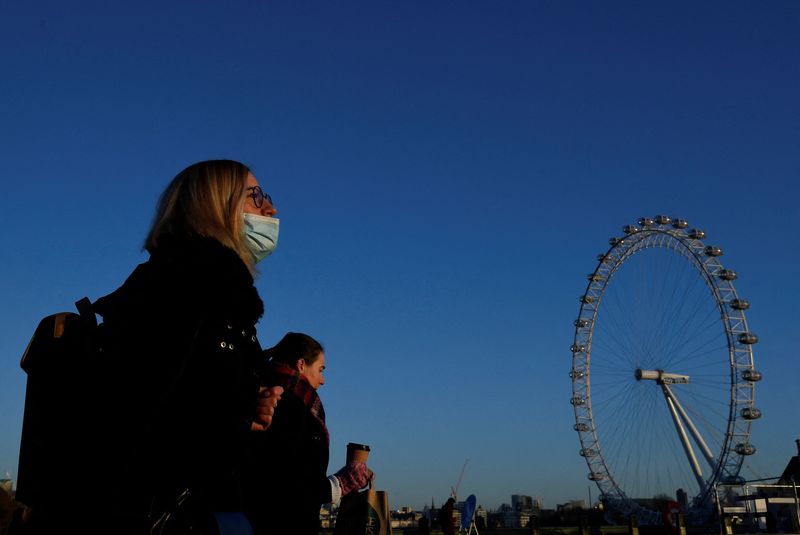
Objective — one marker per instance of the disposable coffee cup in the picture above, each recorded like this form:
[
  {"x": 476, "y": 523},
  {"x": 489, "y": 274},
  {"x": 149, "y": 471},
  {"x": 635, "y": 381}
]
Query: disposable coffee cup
[{"x": 357, "y": 453}]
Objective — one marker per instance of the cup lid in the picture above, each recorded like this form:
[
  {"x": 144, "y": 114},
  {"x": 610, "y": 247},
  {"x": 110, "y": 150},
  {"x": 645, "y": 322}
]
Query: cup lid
[{"x": 354, "y": 446}]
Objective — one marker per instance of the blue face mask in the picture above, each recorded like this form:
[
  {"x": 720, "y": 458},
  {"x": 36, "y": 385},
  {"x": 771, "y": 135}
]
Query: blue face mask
[{"x": 262, "y": 235}]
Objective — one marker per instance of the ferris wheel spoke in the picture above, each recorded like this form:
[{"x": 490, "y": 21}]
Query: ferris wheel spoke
[
  {"x": 683, "y": 341},
  {"x": 693, "y": 338},
  {"x": 701, "y": 357},
  {"x": 618, "y": 339}
]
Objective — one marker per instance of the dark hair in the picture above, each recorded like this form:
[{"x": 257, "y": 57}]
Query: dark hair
[{"x": 294, "y": 346}]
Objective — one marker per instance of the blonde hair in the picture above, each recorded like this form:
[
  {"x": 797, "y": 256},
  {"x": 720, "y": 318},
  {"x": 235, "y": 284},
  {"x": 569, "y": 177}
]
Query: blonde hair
[{"x": 205, "y": 199}]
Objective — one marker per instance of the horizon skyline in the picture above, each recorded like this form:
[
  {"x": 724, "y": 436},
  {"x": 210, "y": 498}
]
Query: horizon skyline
[{"x": 537, "y": 498}]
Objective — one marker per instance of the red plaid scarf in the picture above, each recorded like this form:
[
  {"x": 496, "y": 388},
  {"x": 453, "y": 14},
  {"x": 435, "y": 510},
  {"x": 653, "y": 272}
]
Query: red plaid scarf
[{"x": 279, "y": 374}]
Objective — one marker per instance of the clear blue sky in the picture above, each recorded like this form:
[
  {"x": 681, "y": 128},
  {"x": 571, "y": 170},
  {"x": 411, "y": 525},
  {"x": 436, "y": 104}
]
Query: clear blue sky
[{"x": 446, "y": 173}]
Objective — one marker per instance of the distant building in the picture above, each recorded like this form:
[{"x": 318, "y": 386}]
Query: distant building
[
  {"x": 430, "y": 512},
  {"x": 522, "y": 504},
  {"x": 791, "y": 474},
  {"x": 516, "y": 515},
  {"x": 759, "y": 506},
  {"x": 504, "y": 517},
  {"x": 405, "y": 517},
  {"x": 571, "y": 505}
]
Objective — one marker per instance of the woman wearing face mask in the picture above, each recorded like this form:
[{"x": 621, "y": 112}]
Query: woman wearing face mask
[
  {"x": 183, "y": 354},
  {"x": 286, "y": 482}
]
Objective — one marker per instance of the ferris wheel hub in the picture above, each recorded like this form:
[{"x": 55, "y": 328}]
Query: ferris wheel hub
[{"x": 661, "y": 377}]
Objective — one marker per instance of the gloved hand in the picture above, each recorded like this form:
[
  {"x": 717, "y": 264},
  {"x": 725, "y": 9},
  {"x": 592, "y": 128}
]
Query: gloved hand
[{"x": 353, "y": 476}]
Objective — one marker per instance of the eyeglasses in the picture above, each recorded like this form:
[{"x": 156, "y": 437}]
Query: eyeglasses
[{"x": 258, "y": 196}]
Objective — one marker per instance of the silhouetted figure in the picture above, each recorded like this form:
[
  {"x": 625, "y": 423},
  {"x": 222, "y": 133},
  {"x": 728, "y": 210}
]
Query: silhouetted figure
[
  {"x": 286, "y": 482},
  {"x": 446, "y": 517},
  {"x": 533, "y": 526},
  {"x": 423, "y": 526},
  {"x": 177, "y": 393},
  {"x": 772, "y": 526},
  {"x": 6, "y": 509}
]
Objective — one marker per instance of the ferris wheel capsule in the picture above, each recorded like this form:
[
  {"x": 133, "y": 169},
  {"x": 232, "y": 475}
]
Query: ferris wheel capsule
[
  {"x": 750, "y": 413},
  {"x": 680, "y": 224},
  {"x": 745, "y": 449},
  {"x": 726, "y": 274},
  {"x": 748, "y": 338},
  {"x": 663, "y": 220},
  {"x": 740, "y": 304},
  {"x": 646, "y": 222},
  {"x": 629, "y": 229},
  {"x": 751, "y": 375},
  {"x": 696, "y": 234}
]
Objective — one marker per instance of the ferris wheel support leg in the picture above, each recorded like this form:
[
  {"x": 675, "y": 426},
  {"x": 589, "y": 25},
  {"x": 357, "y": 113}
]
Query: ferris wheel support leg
[
  {"x": 687, "y": 447},
  {"x": 692, "y": 429}
]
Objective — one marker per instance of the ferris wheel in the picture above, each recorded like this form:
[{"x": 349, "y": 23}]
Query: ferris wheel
[{"x": 663, "y": 379}]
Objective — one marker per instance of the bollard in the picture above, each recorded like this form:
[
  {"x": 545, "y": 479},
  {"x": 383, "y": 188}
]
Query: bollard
[
  {"x": 584, "y": 526},
  {"x": 681, "y": 524},
  {"x": 533, "y": 526},
  {"x": 728, "y": 523},
  {"x": 633, "y": 525}
]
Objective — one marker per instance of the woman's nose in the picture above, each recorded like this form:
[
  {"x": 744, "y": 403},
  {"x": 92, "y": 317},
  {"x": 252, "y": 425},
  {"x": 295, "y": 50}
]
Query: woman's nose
[{"x": 268, "y": 210}]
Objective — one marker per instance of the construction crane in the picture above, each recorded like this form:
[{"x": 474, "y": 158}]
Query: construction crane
[{"x": 454, "y": 490}]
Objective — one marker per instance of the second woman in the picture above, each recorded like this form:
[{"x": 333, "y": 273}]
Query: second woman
[{"x": 288, "y": 483}]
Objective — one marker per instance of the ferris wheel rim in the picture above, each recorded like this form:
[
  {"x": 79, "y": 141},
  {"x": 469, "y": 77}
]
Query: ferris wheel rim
[{"x": 662, "y": 232}]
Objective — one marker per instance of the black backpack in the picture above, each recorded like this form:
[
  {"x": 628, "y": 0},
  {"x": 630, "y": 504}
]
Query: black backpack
[
  {"x": 67, "y": 462},
  {"x": 58, "y": 460}
]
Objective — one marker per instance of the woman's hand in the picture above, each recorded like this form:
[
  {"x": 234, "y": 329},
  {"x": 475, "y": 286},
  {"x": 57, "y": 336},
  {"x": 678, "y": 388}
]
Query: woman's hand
[
  {"x": 353, "y": 476},
  {"x": 267, "y": 402}
]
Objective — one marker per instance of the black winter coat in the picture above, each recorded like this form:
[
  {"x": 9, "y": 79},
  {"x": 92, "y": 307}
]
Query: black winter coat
[
  {"x": 181, "y": 339},
  {"x": 287, "y": 483}
]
